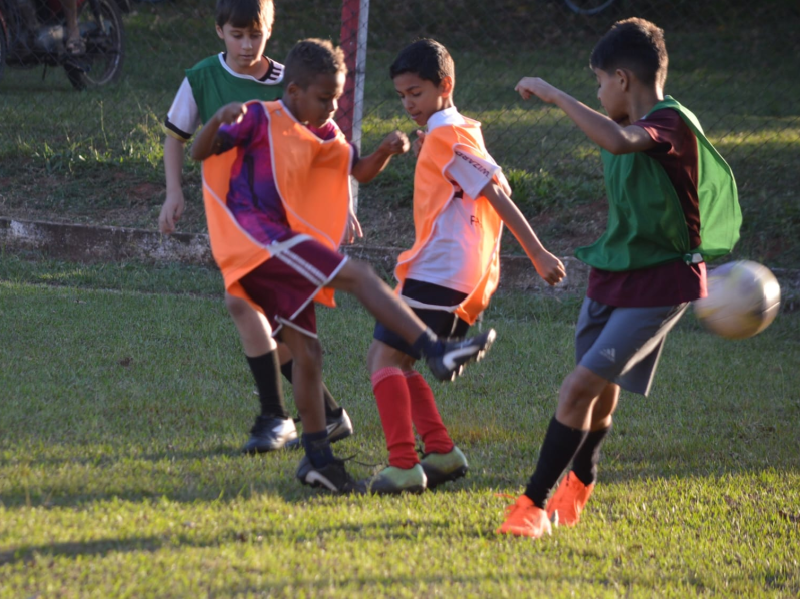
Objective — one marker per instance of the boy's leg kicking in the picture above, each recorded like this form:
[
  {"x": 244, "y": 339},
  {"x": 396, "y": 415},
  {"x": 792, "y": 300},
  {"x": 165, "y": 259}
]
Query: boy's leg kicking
[
  {"x": 615, "y": 347},
  {"x": 446, "y": 359}
]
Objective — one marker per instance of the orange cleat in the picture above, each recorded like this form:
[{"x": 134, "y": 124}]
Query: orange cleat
[
  {"x": 523, "y": 519},
  {"x": 567, "y": 503}
]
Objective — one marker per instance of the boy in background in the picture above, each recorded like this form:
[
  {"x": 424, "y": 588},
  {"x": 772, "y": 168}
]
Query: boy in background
[
  {"x": 672, "y": 202},
  {"x": 277, "y": 195},
  {"x": 461, "y": 200},
  {"x": 239, "y": 74}
]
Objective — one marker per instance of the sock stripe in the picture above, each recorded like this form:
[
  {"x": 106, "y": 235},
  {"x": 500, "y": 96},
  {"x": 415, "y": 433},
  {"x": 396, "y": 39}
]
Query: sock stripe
[{"x": 384, "y": 373}]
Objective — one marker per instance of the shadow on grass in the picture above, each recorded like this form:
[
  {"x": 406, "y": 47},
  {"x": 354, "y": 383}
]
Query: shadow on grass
[{"x": 385, "y": 530}]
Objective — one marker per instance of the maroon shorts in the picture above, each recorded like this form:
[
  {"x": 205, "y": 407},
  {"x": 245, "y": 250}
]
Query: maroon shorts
[{"x": 284, "y": 286}]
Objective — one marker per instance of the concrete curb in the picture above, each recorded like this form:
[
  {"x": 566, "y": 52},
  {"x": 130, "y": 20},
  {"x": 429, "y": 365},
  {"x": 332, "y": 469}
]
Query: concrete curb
[{"x": 83, "y": 243}]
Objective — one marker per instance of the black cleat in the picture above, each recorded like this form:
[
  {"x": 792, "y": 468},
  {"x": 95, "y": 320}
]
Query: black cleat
[
  {"x": 457, "y": 354},
  {"x": 338, "y": 429},
  {"x": 270, "y": 433},
  {"x": 332, "y": 476}
]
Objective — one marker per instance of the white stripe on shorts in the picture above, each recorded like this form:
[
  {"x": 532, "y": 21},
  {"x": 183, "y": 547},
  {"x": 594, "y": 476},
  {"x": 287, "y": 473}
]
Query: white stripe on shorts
[{"x": 305, "y": 268}]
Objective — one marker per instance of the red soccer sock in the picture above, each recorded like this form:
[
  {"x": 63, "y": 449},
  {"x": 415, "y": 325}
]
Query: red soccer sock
[
  {"x": 394, "y": 407},
  {"x": 426, "y": 416}
]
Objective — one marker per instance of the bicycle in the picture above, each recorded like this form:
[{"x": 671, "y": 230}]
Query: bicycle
[{"x": 588, "y": 7}]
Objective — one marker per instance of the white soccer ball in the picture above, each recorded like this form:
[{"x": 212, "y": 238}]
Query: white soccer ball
[{"x": 743, "y": 299}]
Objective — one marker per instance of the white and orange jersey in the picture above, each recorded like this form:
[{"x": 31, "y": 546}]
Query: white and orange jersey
[{"x": 458, "y": 231}]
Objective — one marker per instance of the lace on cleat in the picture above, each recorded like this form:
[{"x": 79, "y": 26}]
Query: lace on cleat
[
  {"x": 567, "y": 503},
  {"x": 394, "y": 481},
  {"x": 457, "y": 354},
  {"x": 444, "y": 467},
  {"x": 332, "y": 476},
  {"x": 524, "y": 519},
  {"x": 270, "y": 433}
]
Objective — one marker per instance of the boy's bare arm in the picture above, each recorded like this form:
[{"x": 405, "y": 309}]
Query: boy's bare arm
[
  {"x": 547, "y": 265},
  {"x": 207, "y": 143},
  {"x": 174, "y": 203},
  {"x": 368, "y": 167},
  {"x": 599, "y": 128}
]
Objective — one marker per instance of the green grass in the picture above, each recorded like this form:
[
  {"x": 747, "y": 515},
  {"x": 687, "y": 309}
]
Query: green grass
[
  {"x": 96, "y": 157},
  {"x": 123, "y": 409}
]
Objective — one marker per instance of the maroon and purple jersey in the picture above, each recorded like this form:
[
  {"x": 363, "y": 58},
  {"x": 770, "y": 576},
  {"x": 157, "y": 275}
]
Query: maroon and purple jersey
[{"x": 253, "y": 197}]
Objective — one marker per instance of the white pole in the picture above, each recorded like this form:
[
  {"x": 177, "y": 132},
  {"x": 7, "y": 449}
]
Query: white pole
[{"x": 360, "y": 76}]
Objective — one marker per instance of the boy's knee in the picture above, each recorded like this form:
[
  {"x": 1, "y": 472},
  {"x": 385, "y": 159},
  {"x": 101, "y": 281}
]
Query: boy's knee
[
  {"x": 237, "y": 307},
  {"x": 581, "y": 388},
  {"x": 355, "y": 273},
  {"x": 307, "y": 353},
  {"x": 381, "y": 356}
]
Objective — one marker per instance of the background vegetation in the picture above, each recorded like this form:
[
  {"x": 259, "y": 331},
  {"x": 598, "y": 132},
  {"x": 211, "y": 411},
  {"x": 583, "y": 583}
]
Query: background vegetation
[{"x": 95, "y": 157}]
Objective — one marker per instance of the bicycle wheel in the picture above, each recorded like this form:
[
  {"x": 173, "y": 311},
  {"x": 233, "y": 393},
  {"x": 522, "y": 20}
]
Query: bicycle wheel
[
  {"x": 588, "y": 7},
  {"x": 105, "y": 46},
  {"x": 3, "y": 50}
]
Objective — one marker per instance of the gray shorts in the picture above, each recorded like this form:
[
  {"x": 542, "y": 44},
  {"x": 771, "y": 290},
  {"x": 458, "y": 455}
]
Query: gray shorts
[{"x": 623, "y": 345}]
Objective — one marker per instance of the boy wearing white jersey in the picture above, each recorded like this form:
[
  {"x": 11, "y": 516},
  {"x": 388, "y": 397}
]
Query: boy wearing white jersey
[{"x": 461, "y": 200}]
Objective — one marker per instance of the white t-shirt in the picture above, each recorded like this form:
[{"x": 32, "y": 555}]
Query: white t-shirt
[{"x": 444, "y": 259}]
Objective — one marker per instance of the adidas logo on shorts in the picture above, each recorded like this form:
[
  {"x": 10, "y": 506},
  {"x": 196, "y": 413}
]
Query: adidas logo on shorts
[{"x": 609, "y": 354}]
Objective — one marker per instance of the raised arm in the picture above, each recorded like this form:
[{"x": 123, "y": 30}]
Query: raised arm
[
  {"x": 206, "y": 142},
  {"x": 547, "y": 265},
  {"x": 368, "y": 167},
  {"x": 603, "y": 131}
]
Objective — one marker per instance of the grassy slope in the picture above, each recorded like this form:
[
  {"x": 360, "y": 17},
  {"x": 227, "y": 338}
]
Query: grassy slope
[{"x": 122, "y": 411}]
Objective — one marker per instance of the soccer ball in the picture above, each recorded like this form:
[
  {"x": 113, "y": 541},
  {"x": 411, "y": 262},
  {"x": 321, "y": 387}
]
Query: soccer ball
[{"x": 743, "y": 299}]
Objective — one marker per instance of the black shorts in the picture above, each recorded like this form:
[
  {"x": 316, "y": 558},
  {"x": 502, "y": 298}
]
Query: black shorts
[{"x": 443, "y": 323}]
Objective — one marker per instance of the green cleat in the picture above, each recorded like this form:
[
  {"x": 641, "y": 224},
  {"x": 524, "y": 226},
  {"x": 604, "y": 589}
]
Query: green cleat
[
  {"x": 393, "y": 481},
  {"x": 444, "y": 467}
]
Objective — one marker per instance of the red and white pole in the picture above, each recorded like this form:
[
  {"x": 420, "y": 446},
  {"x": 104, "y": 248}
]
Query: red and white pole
[{"x": 355, "y": 20}]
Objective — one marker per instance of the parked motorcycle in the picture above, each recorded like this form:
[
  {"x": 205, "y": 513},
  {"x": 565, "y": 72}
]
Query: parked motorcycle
[{"x": 33, "y": 32}]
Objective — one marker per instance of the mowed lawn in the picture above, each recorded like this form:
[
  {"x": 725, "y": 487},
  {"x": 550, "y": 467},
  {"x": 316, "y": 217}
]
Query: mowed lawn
[{"x": 122, "y": 410}]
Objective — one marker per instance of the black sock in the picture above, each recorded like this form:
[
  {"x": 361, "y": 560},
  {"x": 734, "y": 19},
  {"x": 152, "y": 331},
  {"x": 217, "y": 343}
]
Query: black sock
[
  {"x": 560, "y": 445},
  {"x": 585, "y": 463},
  {"x": 332, "y": 409},
  {"x": 270, "y": 393},
  {"x": 428, "y": 344},
  {"x": 318, "y": 449}
]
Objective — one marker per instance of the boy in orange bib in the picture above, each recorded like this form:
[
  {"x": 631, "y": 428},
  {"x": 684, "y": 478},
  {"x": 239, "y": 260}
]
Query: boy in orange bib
[
  {"x": 461, "y": 200},
  {"x": 277, "y": 196}
]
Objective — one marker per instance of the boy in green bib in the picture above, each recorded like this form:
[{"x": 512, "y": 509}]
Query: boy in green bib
[
  {"x": 672, "y": 203},
  {"x": 243, "y": 72}
]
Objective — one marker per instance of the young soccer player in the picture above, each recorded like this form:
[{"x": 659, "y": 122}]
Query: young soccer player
[
  {"x": 461, "y": 200},
  {"x": 239, "y": 74},
  {"x": 277, "y": 206},
  {"x": 672, "y": 201}
]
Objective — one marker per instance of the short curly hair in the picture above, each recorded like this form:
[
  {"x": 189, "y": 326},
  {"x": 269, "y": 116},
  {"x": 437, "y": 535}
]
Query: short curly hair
[
  {"x": 633, "y": 44},
  {"x": 311, "y": 57}
]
